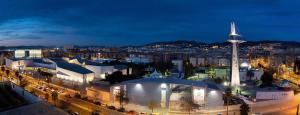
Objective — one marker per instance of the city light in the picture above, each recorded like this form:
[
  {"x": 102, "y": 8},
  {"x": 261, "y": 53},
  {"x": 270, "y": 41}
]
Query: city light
[
  {"x": 138, "y": 86},
  {"x": 225, "y": 83},
  {"x": 163, "y": 86}
]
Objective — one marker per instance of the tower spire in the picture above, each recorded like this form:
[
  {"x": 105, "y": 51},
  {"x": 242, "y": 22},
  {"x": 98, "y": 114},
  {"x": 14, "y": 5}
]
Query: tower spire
[
  {"x": 234, "y": 71},
  {"x": 233, "y": 31}
]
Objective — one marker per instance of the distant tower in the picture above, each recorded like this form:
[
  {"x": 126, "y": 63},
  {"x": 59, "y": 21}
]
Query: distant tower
[{"x": 234, "y": 71}]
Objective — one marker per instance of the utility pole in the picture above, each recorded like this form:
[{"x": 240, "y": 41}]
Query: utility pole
[{"x": 297, "y": 110}]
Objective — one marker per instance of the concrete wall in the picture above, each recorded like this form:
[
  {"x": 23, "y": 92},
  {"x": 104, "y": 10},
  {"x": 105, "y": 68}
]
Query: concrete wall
[
  {"x": 214, "y": 98},
  {"x": 28, "y": 96},
  {"x": 142, "y": 94},
  {"x": 100, "y": 70},
  {"x": 274, "y": 95}
]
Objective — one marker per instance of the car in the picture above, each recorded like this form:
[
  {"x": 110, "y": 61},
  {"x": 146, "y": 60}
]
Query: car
[
  {"x": 68, "y": 96},
  {"x": 95, "y": 112},
  {"x": 90, "y": 100},
  {"x": 97, "y": 103},
  {"x": 111, "y": 107},
  {"x": 69, "y": 111},
  {"x": 77, "y": 95},
  {"x": 74, "y": 113},
  {"x": 84, "y": 98},
  {"x": 142, "y": 113},
  {"x": 154, "y": 114},
  {"x": 121, "y": 110},
  {"x": 132, "y": 112}
]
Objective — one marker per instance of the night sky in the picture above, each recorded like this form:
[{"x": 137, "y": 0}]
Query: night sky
[{"x": 134, "y": 22}]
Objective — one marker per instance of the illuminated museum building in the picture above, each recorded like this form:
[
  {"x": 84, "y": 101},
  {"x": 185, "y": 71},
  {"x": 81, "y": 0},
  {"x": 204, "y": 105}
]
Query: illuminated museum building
[
  {"x": 28, "y": 53},
  {"x": 168, "y": 92}
]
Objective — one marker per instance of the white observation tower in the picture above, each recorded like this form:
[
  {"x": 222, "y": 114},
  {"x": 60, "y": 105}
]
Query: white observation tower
[{"x": 234, "y": 71}]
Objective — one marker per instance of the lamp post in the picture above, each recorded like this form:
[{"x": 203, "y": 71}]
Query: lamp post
[
  {"x": 297, "y": 110},
  {"x": 254, "y": 100}
]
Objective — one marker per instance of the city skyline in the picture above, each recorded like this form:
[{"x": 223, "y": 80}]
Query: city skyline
[{"x": 117, "y": 23}]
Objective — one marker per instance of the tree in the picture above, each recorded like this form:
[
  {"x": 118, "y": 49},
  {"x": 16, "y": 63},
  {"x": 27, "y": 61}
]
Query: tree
[
  {"x": 188, "y": 102},
  {"x": 163, "y": 66},
  {"x": 7, "y": 72},
  {"x": 54, "y": 96},
  {"x": 267, "y": 79},
  {"x": 115, "y": 77},
  {"x": 2, "y": 70},
  {"x": 121, "y": 97},
  {"x": 228, "y": 96},
  {"x": 19, "y": 77},
  {"x": 24, "y": 83},
  {"x": 211, "y": 72},
  {"x": 47, "y": 75},
  {"x": 151, "y": 105},
  {"x": 250, "y": 74},
  {"x": 46, "y": 96},
  {"x": 188, "y": 69},
  {"x": 244, "y": 109}
]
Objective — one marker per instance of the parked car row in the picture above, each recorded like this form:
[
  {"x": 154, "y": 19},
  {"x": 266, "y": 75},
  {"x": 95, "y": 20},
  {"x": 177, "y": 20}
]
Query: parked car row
[{"x": 50, "y": 89}]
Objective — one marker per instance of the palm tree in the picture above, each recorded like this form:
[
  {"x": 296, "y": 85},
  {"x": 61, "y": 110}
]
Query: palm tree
[
  {"x": 54, "y": 97},
  {"x": 152, "y": 105},
  {"x": 250, "y": 74},
  {"x": 23, "y": 83},
  {"x": 17, "y": 75},
  {"x": 48, "y": 77},
  {"x": 244, "y": 109},
  {"x": 47, "y": 96},
  {"x": 20, "y": 78},
  {"x": 228, "y": 96},
  {"x": 121, "y": 97},
  {"x": 2, "y": 70},
  {"x": 188, "y": 102},
  {"x": 7, "y": 72}
]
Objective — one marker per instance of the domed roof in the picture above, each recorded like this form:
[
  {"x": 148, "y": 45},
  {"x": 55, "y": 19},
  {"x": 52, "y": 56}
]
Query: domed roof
[{"x": 155, "y": 74}]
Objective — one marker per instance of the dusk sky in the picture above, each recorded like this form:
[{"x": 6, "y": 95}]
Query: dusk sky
[{"x": 134, "y": 22}]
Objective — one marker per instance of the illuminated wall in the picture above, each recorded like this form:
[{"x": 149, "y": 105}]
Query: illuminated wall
[
  {"x": 36, "y": 53},
  {"x": 30, "y": 53},
  {"x": 199, "y": 95},
  {"x": 74, "y": 76},
  {"x": 19, "y": 53}
]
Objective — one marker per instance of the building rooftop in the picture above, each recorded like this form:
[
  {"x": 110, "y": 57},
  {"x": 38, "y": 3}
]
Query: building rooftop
[
  {"x": 87, "y": 62},
  {"x": 71, "y": 67},
  {"x": 120, "y": 66},
  {"x": 172, "y": 80}
]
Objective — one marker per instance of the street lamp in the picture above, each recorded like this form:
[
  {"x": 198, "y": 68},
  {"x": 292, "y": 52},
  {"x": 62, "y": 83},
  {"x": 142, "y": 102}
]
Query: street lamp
[{"x": 254, "y": 100}]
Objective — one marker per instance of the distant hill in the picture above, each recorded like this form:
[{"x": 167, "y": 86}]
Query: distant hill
[{"x": 184, "y": 43}]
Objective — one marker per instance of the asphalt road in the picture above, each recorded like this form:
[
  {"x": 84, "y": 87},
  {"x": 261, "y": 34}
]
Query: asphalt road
[{"x": 291, "y": 111}]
